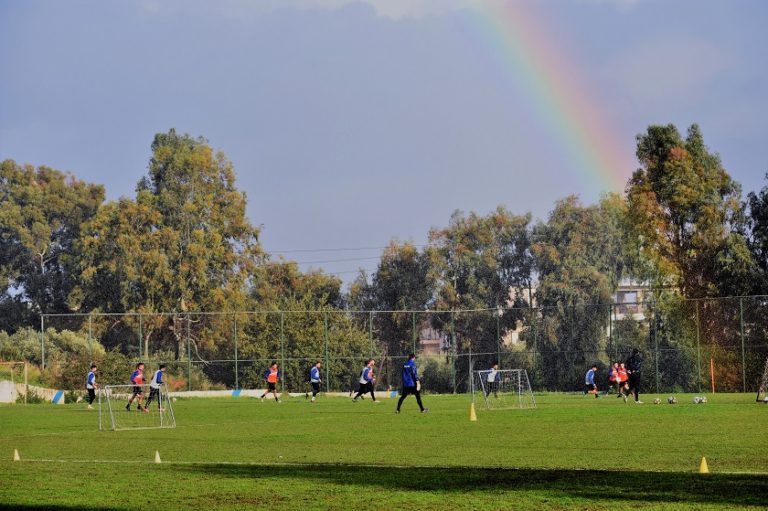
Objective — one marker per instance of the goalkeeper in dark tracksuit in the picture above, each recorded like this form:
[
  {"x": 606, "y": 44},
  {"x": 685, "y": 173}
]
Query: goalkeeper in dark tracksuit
[
  {"x": 634, "y": 365},
  {"x": 411, "y": 383}
]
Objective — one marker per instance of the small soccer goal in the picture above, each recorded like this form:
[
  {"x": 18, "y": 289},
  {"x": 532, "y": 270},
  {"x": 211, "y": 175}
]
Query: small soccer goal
[
  {"x": 503, "y": 389},
  {"x": 115, "y": 414}
]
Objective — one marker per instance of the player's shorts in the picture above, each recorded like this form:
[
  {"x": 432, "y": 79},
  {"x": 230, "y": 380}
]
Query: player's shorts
[
  {"x": 138, "y": 391},
  {"x": 271, "y": 386},
  {"x": 315, "y": 387},
  {"x": 589, "y": 387},
  {"x": 410, "y": 391}
]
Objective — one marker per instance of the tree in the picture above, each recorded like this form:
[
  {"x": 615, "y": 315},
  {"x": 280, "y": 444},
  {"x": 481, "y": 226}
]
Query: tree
[
  {"x": 686, "y": 210},
  {"x": 480, "y": 263},
  {"x": 578, "y": 256},
  {"x": 41, "y": 219},
  {"x": 401, "y": 283},
  {"x": 757, "y": 204},
  {"x": 183, "y": 245}
]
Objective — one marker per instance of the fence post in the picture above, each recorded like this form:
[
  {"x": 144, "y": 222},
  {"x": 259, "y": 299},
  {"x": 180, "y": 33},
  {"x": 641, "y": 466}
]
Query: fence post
[
  {"x": 413, "y": 330},
  {"x": 610, "y": 332},
  {"x": 453, "y": 350},
  {"x": 370, "y": 333},
  {"x": 189, "y": 354},
  {"x": 743, "y": 353},
  {"x": 237, "y": 382},
  {"x": 498, "y": 335},
  {"x": 282, "y": 350},
  {"x": 42, "y": 341},
  {"x": 141, "y": 337},
  {"x": 656, "y": 346},
  {"x": 90, "y": 334},
  {"x": 327, "y": 369},
  {"x": 698, "y": 345}
]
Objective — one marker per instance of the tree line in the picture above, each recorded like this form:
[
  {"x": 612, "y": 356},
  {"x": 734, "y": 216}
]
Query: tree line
[{"x": 183, "y": 244}]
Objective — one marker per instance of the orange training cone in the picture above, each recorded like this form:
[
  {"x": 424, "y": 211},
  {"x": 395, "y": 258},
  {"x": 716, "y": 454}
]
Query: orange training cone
[
  {"x": 703, "y": 468},
  {"x": 472, "y": 414}
]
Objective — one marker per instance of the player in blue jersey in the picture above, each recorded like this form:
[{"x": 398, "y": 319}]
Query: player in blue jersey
[
  {"x": 315, "y": 380},
  {"x": 91, "y": 386},
  {"x": 590, "y": 387},
  {"x": 411, "y": 384},
  {"x": 366, "y": 381},
  {"x": 154, "y": 388},
  {"x": 137, "y": 379}
]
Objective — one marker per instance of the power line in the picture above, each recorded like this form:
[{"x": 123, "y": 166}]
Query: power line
[{"x": 349, "y": 249}]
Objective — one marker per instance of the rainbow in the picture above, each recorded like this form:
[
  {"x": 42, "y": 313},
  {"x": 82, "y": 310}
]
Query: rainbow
[{"x": 558, "y": 89}]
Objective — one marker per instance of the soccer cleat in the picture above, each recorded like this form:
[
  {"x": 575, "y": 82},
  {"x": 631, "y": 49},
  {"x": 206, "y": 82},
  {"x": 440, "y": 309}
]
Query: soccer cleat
[
  {"x": 397, "y": 412},
  {"x": 377, "y": 402},
  {"x": 128, "y": 407},
  {"x": 145, "y": 410},
  {"x": 625, "y": 399},
  {"x": 425, "y": 410},
  {"x": 638, "y": 402},
  {"x": 90, "y": 407}
]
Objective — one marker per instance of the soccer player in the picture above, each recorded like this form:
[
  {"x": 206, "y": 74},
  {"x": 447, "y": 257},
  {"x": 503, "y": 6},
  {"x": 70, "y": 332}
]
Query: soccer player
[
  {"x": 272, "y": 377},
  {"x": 411, "y": 383},
  {"x": 91, "y": 386},
  {"x": 314, "y": 379},
  {"x": 137, "y": 379},
  {"x": 589, "y": 382},
  {"x": 366, "y": 381},
  {"x": 491, "y": 377},
  {"x": 154, "y": 388},
  {"x": 634, "y": 367},
  {"x": 622, "y": 379}
]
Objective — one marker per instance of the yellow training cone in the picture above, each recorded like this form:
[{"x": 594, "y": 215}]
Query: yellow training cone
[
  {"x": 472, "y": 414},
  {"x": 157, "y": 457},
  {"x": 16, "y": 456},
  {"x": 703, "y": 468}
]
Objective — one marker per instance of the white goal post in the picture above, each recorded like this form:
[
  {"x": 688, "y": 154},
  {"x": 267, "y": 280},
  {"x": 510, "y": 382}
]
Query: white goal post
[
  {"x": 503, "y": 389},
  {"x": 113, "y": 414}
]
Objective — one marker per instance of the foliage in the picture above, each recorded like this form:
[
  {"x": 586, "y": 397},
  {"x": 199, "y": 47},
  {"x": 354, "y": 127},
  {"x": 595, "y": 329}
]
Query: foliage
[
  {"x": 686, "y": 212},
  {"x": 40, "y": 221}
]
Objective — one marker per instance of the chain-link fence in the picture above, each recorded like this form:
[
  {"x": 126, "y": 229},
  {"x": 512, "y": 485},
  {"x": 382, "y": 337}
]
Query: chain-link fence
[{"x": 687, "y": 345}]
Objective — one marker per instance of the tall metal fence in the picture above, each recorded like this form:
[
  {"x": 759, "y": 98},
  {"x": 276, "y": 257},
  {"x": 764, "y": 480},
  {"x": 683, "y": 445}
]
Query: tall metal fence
[{"x": 687, "y": 345}]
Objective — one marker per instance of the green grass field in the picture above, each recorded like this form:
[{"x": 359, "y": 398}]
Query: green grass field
[{"x": 571, "y": 452}]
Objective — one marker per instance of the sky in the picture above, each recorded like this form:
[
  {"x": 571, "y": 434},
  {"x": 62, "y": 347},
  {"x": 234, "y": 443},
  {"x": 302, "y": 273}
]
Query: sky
[{"x": 354, "y": 122}]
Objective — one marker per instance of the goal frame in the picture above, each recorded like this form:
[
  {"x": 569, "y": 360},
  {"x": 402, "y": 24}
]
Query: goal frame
[
  {"x": 107, "y": 391},
  {"x": 523, "y": 387}
]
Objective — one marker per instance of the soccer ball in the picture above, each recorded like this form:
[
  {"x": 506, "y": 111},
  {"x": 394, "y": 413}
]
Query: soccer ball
[
  {"x": 703, "y": 399},
  {"x": 656, "y": 401},
  {"x": 696, "y": 400},
  {"x": 671, "y": 400},
  {"x": 174, "y": 400}
]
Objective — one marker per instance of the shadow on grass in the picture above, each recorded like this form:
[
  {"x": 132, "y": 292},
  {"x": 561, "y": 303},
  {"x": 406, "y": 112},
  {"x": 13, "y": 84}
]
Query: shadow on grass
[
  {"x": 653, "y": 487},
  {"x": 53, "y": 507}
]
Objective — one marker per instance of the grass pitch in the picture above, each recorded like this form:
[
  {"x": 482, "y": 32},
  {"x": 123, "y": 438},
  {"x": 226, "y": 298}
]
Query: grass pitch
[{"x": 572, "y": 452}]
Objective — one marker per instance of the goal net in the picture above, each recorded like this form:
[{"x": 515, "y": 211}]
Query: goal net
[
  {"x": 503, "y": 389},
  {"x": 154, "y": 410}
]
